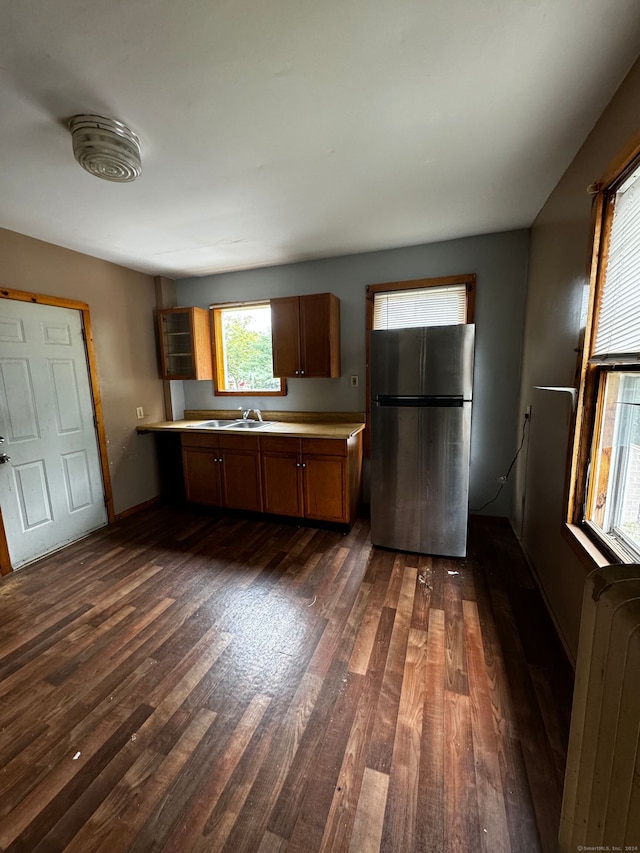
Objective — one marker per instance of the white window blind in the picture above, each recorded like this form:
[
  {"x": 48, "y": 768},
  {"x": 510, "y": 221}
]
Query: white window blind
[
  {"x": 425, "y": 306},
  {"x": 618, "y": 331}
]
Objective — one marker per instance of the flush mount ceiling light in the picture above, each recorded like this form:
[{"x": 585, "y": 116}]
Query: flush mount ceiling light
[{"x": 106, "y": 148}]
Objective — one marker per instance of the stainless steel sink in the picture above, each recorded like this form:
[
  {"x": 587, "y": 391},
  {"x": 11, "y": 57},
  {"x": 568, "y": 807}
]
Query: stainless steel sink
[
  {"x": 247, "y": 424},
  {"x": 230, "y": 424},
  {"x": 212, "y": 424}
]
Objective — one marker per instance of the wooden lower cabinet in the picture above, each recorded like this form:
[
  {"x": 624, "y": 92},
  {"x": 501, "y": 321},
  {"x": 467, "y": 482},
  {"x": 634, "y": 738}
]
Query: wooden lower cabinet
[
  {"x": 241, "y": 481},
  {"x": 222, "y": 471},
  {"x": 325, "y": 495},
  {"x": 282, "y": 483},
  {"x": 310, "y": 478},
  {"x": 201, "y": 467}
]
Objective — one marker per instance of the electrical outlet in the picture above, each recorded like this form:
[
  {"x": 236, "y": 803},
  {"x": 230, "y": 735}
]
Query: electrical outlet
[
  {"x": 355, "y": 381},
  {"x": 139, "y": 412},
  {"x": 527, "y": 412}
]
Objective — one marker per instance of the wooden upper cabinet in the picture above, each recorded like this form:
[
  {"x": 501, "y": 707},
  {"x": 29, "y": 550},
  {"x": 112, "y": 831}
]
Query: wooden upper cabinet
[
  {"x": 285, "y": 336},
  {"x": 185, "y": 343},
  {"x": 306, "y": 336}
]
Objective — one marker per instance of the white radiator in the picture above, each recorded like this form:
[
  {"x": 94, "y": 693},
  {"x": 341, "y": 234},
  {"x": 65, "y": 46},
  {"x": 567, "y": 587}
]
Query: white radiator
[{"x": 601, "y": 801}]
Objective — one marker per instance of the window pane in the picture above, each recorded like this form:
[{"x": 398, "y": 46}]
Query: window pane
[
  {"x": 246, "y": 342},
  {"x": 615, "y": 490},
  {"x": 425, "y": 306}
]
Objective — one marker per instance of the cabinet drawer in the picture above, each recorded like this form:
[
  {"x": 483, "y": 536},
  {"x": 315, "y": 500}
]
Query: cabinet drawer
[
  {"x": 199, "y": 439},
  {"x": 239, "y": 442},
  {"x": 280, "y": 444},
  {"x": 324, "y": 446}
]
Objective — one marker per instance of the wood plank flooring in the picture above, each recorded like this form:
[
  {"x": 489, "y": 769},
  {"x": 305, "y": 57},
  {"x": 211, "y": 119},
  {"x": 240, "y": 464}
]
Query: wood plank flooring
[{"x": 192, "y": 681}]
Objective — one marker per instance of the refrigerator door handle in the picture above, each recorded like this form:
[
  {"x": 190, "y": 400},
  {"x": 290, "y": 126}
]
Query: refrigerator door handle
[{"x": 416, "y": 402}]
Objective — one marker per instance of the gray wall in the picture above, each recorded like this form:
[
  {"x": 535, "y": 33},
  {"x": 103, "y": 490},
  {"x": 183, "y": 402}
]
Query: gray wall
[
  {"x": 500, "y": 262},
  {"x": 560, "y": 247}
]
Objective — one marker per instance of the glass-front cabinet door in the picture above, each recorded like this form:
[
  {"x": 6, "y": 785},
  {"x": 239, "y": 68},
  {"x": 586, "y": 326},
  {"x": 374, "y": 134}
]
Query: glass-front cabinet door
[{"x": 185, "y": 343}]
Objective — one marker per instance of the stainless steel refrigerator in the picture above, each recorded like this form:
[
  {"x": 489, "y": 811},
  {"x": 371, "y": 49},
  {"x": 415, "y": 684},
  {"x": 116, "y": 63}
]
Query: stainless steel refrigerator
[{"x": 421, "y": 393}]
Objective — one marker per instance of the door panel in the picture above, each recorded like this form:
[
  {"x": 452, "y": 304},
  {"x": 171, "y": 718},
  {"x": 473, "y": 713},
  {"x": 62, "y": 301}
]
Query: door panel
[
  {"x": 314, "y": 335},
  {"x": 420, "y": 478},
  {"x": 64, "y": 386},
  {"x": 285, "y": 336},
  {"x": 324, "y": 488},
  {"x": 77, "y": 479},
  {"x": 241, "y": 480},
  {"x": 202, "y": 475},
  {"x": 32, "y": 490},
  {"x": 17, "y": 400},
  {"x": 51, "y": 492},
  {"x": 437, "y": 360},
  {"x": 282, "y": 486}
]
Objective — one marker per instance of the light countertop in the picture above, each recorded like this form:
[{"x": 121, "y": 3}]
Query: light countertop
[{"x": 280, "y": 428}]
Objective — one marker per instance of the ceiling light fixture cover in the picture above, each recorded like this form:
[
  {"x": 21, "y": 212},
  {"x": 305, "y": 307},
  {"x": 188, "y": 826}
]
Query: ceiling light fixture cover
[{"x": 105, "y": 147}]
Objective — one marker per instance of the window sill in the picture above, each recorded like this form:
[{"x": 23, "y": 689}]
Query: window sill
[{"x": 586, "y": 548}]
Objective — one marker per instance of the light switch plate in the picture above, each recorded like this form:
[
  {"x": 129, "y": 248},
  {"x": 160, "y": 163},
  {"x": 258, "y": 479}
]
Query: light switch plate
[
  {"x": 139, "y": 412},
  {"x": 355, "y": 381}
]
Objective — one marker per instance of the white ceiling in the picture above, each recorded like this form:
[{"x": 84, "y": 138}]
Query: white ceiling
[{"x": 281, "y": 130}]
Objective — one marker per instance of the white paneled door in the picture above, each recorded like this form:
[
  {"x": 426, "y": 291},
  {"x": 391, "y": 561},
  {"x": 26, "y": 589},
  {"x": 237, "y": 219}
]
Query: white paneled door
[{"x": 51, "y": 489}]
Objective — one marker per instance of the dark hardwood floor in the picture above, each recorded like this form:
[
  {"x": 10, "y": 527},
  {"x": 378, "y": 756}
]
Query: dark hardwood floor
[{"x": 186, "y": 681}]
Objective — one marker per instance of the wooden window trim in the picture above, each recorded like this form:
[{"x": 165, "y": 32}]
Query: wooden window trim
[
  {"x": 218, "y": 353},
  {"x": 83, "y": 308},
  {"x": 585, "y": 542},
  {"x": 414, "y": 284}
]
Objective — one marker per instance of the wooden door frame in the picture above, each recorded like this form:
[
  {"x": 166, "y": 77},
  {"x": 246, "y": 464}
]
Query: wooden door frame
[{"x": 83, "y": 308}]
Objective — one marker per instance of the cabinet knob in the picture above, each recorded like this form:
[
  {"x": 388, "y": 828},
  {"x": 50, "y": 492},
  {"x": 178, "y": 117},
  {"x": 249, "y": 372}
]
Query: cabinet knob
[
  {"x": 302, "y": 371},
  {"x": 304, "y": 465},
  {"x": 297, "y": 372}
]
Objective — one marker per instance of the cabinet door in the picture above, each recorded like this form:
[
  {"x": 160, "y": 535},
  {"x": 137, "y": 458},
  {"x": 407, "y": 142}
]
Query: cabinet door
[
  {"x": 201, "y": 475},
  {"x": 282, "y": 483},
  {"x": 325, "y": 493},
  {"x": 176, "y": 344},
  {"x": 285, "y": 336},
  {"x": 319, "y": 335},
  {"x": 241, "y": 481},
  {"x": 185, "y": 343}
]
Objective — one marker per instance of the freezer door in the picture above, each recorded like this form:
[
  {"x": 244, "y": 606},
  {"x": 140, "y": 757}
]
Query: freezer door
[
  {"x": 420, "y": 478},
  {"x": 425, "y": 361}
]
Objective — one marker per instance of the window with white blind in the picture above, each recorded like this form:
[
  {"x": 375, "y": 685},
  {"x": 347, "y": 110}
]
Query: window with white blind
[
  {"x": 421, "y": 302},
  {"x": 426, "y": 306},
  {"x": 618, "y": 321},
  {"x": 611, "y": 461}
]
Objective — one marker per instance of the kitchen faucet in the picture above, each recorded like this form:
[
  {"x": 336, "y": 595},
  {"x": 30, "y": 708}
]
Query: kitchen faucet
[{"x": 247, "y": 412}]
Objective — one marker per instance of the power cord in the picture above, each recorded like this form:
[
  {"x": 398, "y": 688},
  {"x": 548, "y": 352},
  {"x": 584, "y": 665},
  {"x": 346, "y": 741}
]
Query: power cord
[{"x": 505, "y": 477}]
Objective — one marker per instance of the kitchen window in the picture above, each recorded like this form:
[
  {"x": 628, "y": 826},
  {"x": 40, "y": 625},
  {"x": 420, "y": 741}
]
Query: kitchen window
[
  {"x": 606, "y": 494},
  {"x": 420, "y": 302},
  {"x": 437, "y": 305},
  {"x": 242, "y": 349}
]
